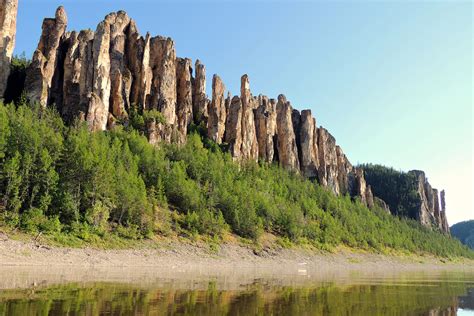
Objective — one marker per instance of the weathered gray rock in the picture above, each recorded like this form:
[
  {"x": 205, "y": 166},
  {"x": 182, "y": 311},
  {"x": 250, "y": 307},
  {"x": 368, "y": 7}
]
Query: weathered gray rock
[
  {"x": 444, "y": 221},
  {"x": 429, "y": 212},
  {"x": 249, "y": 148},
  {"x": 120, "y": 75},
  {"x": 217, "y": 111},
  {"x": 286, "y": 139},
  {"x": 360, "y": 188},
  {"x": 40, "y": 73},
  {"x": 146, "y": 76},
  {"x": 158, "y": 132},
  {"x": 308, "y": 148},
  {"x": 78, "y": 75},
  {"x": 163, "y": 88},
  {"x": 327, "y": 172},
  {"x": 343, "y": 169},
  {"x": 265, "y": 127},
  {"x": 233, "y": 134},
  {"x": 184, "y": 96},
  {"x": 436, "y": 209},
  {"x": 97, "y": 113},
  {"x": 381, "y": 204},
  {"x": 97, "y": 118},
  {"x": 8, "y": 14},
  {"x": 200, "y": 104},
  {"x": 134, "y": 53}
]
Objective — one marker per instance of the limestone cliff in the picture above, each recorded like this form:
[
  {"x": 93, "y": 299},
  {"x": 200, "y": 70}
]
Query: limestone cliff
[{"x": 101, "y": 76}]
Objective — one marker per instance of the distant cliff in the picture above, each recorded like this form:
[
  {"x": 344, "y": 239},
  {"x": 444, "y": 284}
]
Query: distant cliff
[
  {"x": 408, "y": 194},
  {"x": 101, "y": 77}
]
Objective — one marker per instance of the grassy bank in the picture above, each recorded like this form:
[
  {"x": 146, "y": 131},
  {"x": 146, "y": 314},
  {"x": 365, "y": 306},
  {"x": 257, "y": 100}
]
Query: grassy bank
[{"x": 111, "y": 189}]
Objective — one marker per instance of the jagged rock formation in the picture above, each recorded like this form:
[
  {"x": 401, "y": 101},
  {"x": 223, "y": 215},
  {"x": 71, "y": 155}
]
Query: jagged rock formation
[
  {"x": 265, "y": 127},
  {"x": 443, "y": 221},
  {"x": 217, "y": 111},
  {"x": 102, "y": 76},
  {"x": 39, "y": 76},
  {"x": 184, "y": 96},
  {"x": 286, "y": 138},
  {"x": 429, "y": 212},
  {"x": 8, "y": 13}
]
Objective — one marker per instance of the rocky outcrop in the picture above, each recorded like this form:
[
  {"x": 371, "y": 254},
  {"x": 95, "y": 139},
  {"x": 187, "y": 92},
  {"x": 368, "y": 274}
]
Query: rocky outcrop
[
  {"x": 120, "y": 75},
  {"x": 360, "y": 187},
  {"x": 8, "y": 13},
  {"x": 163, "y": 88},
  {"x": 184, "y": 96},
  {"x": 265, "y": 127},
  {"x": 327, "y": 172},
  {"x": 249, "y": 149},
  {"x": 443, "y": 220},
  {"x": 101, "y": 83},
  {"x": 104, "y": 77},
  {"x": 286, "y": 139},
  {"x": 199, "y": 94},
  {"x": 40, "y": 74},
  {"x": 217, "y": 111},
  {"x": 78, "y": 75},
  {"x": 233, "y": 127},
  {"x": 308, "y": 145},
  {"x": 429, "y": 212}
]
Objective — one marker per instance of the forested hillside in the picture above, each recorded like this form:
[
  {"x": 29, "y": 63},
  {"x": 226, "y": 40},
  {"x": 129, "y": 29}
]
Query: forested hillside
[
  {"x": 70, "y": 183},
  {"x": 464, "y": 231}
]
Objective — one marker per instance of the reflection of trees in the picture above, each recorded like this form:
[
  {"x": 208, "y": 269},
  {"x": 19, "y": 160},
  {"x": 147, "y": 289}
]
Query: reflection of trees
[{"x": 255, "y": 299}]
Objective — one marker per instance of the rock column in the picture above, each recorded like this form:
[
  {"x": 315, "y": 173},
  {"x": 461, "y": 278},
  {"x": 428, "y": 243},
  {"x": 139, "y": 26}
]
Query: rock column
[
  {"x": 8, "y": 14},
  {"x": 40, "y": 73}
]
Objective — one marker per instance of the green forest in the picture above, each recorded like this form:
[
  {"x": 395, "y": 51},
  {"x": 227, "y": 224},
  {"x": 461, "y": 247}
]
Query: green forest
[
  {"x": 70, "y": 184},
  {"x": 398, "y": 189},
  {"x": 464, "y": 231}
]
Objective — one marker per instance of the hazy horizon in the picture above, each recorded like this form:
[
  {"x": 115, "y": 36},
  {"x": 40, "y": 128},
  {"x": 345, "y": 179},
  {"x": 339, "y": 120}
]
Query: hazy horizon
[{"x": 391, "y": 81}]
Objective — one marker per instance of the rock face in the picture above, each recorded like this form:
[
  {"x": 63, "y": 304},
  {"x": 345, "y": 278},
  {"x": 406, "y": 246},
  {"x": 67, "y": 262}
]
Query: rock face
[
  {"x": 8, "y": 13},
  {"x": 104, "y": 77},
  {"x": 233, "y": 126},
  {"x": 40, "y": 74},
  {"x": 443, "y": 220},
  {"x": 163, "y": 88},
  {"x": 286, "y": 139},
  {"x": 265, "y": 127},
  {"x": 217, "y": 111},
  {"x": 308, "y": 145},
  {"x": 199, "y": 94},
  {"x": 249, "y": 149},
  {"x": 78, "y": 75},
  {"x": 184, "y": 96},
  {"x": 120, "y": 75},
  {"x": 429, "y": 212}
]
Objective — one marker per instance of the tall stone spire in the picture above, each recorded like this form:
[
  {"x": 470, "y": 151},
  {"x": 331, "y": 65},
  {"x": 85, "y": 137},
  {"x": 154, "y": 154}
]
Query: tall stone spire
[{"x": 8, "y": 13}]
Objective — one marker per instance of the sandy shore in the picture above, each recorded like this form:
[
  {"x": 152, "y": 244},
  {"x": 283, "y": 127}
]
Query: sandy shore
[
  {"x": 27, "y": 263},
  {"x": 172, "y": 253}
]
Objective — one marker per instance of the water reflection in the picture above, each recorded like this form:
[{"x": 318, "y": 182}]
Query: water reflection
[{"x": 441, "y": 294}]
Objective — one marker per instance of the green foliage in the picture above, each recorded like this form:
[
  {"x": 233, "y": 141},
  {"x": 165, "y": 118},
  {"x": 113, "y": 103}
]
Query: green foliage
[
  {"x": 464, "y": 231},
  {"x": 16, "y": 79},
  {"x": 398, "y": 189},
  {"x": 87, "y": 186}
]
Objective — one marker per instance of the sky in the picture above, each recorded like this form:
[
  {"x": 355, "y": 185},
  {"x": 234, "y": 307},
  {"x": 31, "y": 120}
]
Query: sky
[{"x": 391, "y": 80}]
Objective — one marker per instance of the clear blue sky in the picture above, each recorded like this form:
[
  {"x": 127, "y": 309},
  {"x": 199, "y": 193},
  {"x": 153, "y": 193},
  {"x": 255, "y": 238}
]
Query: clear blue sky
[{"x": 392, "y": 81}]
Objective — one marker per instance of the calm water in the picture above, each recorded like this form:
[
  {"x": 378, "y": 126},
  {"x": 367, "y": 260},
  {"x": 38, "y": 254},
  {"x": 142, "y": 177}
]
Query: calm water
[{"x": 176, "y": 292}]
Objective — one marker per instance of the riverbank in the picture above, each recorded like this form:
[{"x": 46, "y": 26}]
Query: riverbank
[{"x": 173, "y": 252}]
